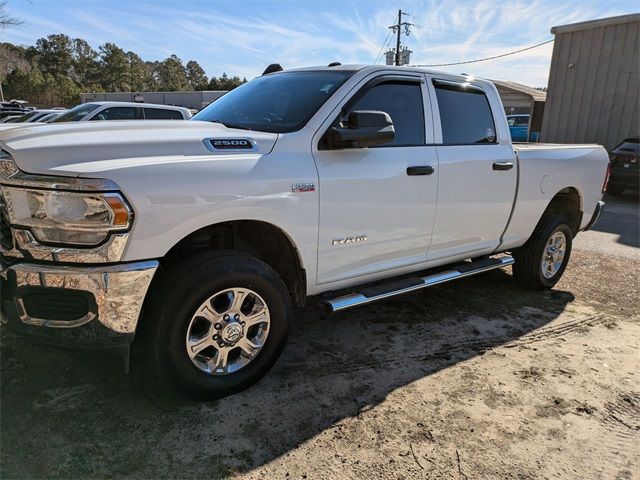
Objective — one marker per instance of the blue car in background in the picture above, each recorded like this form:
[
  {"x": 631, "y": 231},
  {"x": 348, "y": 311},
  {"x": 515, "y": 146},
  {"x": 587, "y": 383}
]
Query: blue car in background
[{"x": 519, "y": 127}]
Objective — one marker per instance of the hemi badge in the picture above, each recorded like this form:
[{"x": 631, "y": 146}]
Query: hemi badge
[{"x": 303, "y": 187}]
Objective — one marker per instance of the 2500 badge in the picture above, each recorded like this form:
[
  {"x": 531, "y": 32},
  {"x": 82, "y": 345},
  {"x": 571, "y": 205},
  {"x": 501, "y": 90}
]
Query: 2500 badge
[{"x": 231, "y": 144}]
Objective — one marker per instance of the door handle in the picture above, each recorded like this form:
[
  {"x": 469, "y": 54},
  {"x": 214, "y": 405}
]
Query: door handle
[
  {"x": 421, "y": 170},
  {"x": 502, "y": 165}
]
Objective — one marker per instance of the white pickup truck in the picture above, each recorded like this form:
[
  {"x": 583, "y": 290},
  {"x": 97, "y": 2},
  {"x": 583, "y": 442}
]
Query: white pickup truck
[{"x": 347, "y": 182}]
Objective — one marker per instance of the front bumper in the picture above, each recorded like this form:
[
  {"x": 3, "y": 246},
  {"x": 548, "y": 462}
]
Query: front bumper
[{"x": 96, "y": 306}]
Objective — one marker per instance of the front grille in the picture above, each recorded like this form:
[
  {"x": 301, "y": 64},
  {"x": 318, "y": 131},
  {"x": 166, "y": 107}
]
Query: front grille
[{"x": 6, "y": 240}]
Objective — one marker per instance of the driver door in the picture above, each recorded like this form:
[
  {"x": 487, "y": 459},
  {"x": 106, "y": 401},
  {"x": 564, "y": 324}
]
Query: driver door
[{"x": 377, "y": 204}]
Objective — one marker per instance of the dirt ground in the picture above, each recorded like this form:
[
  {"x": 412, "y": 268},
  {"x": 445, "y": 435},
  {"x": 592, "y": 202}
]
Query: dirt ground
[{"x": 475, "y": 379}]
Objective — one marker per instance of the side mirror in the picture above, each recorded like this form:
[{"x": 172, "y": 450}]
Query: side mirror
[{"x": 364, "y": 128}]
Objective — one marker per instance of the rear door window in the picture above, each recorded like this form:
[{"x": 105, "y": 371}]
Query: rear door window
[
  {"x": 162, "y": 114},
  {"x": 465, "y": 115}
]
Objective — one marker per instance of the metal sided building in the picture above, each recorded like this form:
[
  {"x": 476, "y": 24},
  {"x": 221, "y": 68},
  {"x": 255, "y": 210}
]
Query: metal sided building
[{"x": 593, "y": 91}]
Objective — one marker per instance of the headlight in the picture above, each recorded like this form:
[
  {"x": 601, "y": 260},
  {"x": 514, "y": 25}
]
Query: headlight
[{"x": 68, "y": 218}]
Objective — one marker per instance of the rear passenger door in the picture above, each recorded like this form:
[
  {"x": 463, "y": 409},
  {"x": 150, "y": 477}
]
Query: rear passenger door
[
  {"x": 161, "y": 114},
  {"x": 478, "y": 174}
]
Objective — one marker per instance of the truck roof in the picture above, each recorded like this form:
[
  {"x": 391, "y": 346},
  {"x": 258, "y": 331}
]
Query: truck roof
[{"x": 405, "y": 68}]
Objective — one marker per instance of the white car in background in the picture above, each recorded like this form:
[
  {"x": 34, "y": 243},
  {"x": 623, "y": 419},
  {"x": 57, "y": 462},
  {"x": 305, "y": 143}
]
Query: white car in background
[
  {"x": 48, "y": 118},
  {"x": 114, "y": 111},
  {"x": 31, "y": 116}
]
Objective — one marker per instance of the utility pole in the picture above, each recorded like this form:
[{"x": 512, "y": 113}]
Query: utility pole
[{"x": 397, "y": 29}]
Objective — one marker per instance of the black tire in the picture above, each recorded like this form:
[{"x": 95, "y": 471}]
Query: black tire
[
  {"x": 615, "y": 190},
  {"x": 527, "y": 268},
  {"x": 176, "y": 295}
]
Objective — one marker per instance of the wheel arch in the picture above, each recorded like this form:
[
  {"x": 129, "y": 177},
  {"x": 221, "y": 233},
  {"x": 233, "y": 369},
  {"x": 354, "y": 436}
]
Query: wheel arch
[
  {"x": 260, "y": 239},
  {"x": 567, "y": 202}
]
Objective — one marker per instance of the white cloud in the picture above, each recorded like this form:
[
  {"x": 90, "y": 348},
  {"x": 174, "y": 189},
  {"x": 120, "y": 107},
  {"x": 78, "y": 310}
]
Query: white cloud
[{"x": 240, "y": 39}]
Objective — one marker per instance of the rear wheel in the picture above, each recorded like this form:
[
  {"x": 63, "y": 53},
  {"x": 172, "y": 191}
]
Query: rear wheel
[
  {"x": 542, "y": 260},
  {"x": 217, "y": 324}
]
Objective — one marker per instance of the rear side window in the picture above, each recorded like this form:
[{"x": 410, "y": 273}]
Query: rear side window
[
  {"x": 403, "y": 102},
  {"x": 116, "y": 113},
  {"x": 162, "y": 114},
  {"x": 465, "y": 115}
]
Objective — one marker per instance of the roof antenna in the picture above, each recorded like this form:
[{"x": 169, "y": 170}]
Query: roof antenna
[
  {"x": 274, "y": 67},
  {"x": 334, "y": 64}
]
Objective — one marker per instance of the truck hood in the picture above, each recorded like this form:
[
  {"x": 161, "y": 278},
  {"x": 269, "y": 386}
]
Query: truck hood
[{"x": 69, "y": 149}]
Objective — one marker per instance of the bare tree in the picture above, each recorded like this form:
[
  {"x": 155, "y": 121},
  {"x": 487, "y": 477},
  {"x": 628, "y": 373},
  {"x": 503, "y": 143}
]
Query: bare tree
[{"x": 7, "y": 20}]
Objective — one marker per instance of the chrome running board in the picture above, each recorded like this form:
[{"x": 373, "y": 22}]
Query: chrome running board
[{"x": 406, "y": 285}]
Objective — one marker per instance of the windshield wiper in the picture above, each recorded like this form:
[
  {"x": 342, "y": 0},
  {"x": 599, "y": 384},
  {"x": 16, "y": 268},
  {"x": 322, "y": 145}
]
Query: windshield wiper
[{"x": 231, "y": 125}]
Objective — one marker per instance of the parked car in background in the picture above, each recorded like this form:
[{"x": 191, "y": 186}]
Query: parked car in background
[
  {"x": 13, "y": 108},
  {"x": 624, "y": 160},
  {"x": 112, "y": 111},
  {"x": 32, "y": 116},
  {"x": 519, "y": 127},
  {"x": 51, "y": 116},
  {"x": 9, "y": 119},
  {"x": 123, "y": 111},
  {"x": 5, "y": 113}
]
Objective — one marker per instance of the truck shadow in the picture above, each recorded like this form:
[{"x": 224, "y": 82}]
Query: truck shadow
[
  {"x": 621, "y": 216},
  {"x": 65, "y": 414}
]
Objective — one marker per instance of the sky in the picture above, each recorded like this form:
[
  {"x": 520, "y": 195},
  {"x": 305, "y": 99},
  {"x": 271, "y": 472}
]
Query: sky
[{"x": 242, "y": 37}]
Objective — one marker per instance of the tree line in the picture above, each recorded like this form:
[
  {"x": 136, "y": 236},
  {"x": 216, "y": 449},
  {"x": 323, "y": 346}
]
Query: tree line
[{"x": 55, "y": 70}]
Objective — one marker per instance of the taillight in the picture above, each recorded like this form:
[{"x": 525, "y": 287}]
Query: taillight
[{"x": 606, "y": 178}]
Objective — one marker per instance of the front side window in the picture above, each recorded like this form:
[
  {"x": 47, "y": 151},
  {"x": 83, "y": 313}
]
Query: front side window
[
  {"x": 403, "y": 102},
  {"x": 76, "y": 113},
  {"x": 116, "y": 113},
  {"x": 278, "y": 103},
  {"x": 162, "y": 114},
  {"x": 465, "y": 115}
]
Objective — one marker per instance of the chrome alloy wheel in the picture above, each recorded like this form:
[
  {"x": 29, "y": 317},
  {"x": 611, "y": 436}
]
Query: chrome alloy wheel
[
  {"x": 553, "y": 254},
  {"x": 228, "y": 331}
]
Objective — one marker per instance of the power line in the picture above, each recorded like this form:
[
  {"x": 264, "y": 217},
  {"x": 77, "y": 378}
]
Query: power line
[
  {"x": 486, "y": 58},
  {"x": 384, "y": 44}
]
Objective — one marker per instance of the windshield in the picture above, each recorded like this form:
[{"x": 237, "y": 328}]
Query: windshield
[
  {"x": 277, "y": 103},
  {"x": 76, "y": 113}
]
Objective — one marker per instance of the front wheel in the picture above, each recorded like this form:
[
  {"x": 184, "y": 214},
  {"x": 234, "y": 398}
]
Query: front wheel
[
  {"x": 217, "y": 324},
  {"x": 541, "y": 261}
]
